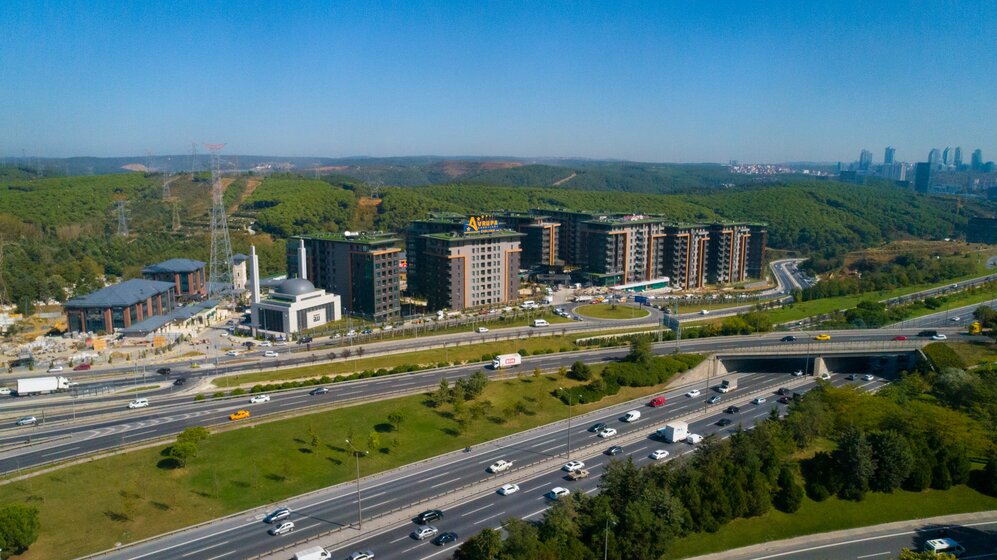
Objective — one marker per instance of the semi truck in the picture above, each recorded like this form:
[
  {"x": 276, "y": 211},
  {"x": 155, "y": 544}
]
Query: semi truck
[
  {"x": 41, "y": 385},
  {"x": 728, "y": 385},
  {"x": 506, "y": 361},
  {"x": 674, "y": 431}
]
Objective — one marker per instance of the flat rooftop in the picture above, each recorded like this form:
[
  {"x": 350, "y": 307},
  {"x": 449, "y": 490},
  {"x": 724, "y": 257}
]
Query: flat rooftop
[{"x": 367, "y": 237}]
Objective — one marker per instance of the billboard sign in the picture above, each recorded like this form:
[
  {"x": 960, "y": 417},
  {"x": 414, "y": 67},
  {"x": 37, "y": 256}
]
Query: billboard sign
[{"x": 481, "y": 224}]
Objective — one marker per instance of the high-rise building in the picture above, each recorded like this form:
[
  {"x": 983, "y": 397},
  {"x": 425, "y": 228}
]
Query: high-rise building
[
  {"x": 889, "y": 155},
  {"x": 976, "y": 161},
  {"x": 685, "y": 248},
  {"x": 624, "y": 249},
  {"x": 362, "y": 267},
  {"x": 935, "y": 158},
  {"x": 922, "y": 176},
  {"x": 571, "y": 240},
  {"x": 438, "y": 222},
  {"x": 865, "y": 160},
  {"x": 470, "y": 269},
  {"x": 958, "y": 156},
  {"x": 947, "y": 159},
  {"x": 727, "y": 257},
  {"x": 540, "y": 244}
]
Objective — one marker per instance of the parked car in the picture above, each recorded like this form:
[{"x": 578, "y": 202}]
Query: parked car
[
  {"x": 423, "y": 533},
  {"x": 429, "y": 515},
  {"x": 507, "y": 489},
  {"x": 869, "y": 377},
  {"x": 239, "y": 415},
  {"x": 573, "y": 466},
  {"x": 259, "y": 399},
  {"x": 445, "y": 538},
  {"x": 232, "y": 353},
  {"x": 658, "y": 454},
  {"x": 851, "y": 377},
  {"x": 277, "y": 515},
  {"x": 285, "y": 527},
  {"x": 82, "y": 367},
  {"x": 319, "y": 391}
]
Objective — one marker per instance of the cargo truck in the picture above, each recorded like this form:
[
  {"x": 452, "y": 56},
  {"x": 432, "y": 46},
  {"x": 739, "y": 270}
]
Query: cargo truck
[
  {"x": 41, "y": 385},
  {"x": 975, "y": 328},
  {"x": 313, "y": 553},
  {"x": 728, "y": 385},
  {"x": 674, "y": 431},
  {"x": 507, "y": 360}
]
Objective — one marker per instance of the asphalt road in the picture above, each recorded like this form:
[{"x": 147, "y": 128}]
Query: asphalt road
[
  {"x": 246, "y": 536},
  {"x": 956, "y": 317},
  {"x": 60, "y": 438}
]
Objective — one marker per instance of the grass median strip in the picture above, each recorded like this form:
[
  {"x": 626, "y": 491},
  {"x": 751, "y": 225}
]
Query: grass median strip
[
  {"x": 121, "y": 499},
  {"x": 609, "y": 311}
]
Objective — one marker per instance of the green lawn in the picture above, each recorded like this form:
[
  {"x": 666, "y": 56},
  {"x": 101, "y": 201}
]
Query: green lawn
[
  {"x": 518, "y": 318},
  {"x": 832, "y": 515},
  {"x": 608, "y": 311},
  {"x": 124, "y": 498},
  {"x": 956, "y": 300},
  {"x": 697, "y": 307},
  {"x": 980, "y": 351}
]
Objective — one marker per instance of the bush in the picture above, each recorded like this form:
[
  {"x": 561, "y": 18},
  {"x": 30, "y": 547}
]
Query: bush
[
  {"x": 237, "y": 392},
  {"x": 199, "y": 397}
]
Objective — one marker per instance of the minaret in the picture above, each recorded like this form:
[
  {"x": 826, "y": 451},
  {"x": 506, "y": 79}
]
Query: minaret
[{"x": 302, "y": 268}]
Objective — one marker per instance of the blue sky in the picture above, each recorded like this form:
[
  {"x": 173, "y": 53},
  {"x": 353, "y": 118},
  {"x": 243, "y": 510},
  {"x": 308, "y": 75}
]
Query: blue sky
[{"x": 651, "y": 81}]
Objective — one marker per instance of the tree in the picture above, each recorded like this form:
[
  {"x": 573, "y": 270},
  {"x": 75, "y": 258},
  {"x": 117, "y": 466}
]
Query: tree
[
  {"x": 443, "y": 393},
  {"x": 183, "y": 451},
  {"x": 854, "y": 460},
  {"x": 580, "y": 371},
  {"x": 395, "y": 419},
  {"x": 373, "y": 441},
  {"x": 313, "y": 439},
  {"x": 640, "y": 350},
  {"x": 988, "y": 478},
  {"x": 893, "y": 459},
  {"x": 789, "y": 497},
  {"x": 195, "y": 435},
  {"x": 486, "y": 545},
  {"x": 19, "y": 528},
  {"x": 908, "y": 554},
  {"x": 522, "y": 541}
]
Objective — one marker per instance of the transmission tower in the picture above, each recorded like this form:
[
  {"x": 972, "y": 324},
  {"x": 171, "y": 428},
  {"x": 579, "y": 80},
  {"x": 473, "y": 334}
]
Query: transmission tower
[
  {"x": 220, "y": 268},
  {"x": 122, "y": 218},
  {"x": 3, "y": 285},
  {"x": 193, "y": 160},
  {"x": 166, "y": 186},
  {"x": 176, "y": 215}
]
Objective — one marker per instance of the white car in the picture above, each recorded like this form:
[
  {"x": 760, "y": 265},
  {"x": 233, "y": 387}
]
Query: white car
[
  {"x": 423, "y": 533},
  {"x": 869, "y": 377},
  {"x": 798, "y": 373},
  {"x": 507, "y": 489},
  {"x": 759, "y": 400},
  {"x": 285, "y": 527},
  {"x": 825, "y": 376},
  {"x": 281, "y": 343},
  {"x": 56, "y": 369},
  {"x": 704, "y": 312},
  {"x": 607, "y": 432},
  {"x": 270, "y": 354},
  {"x": 232, "y": 353},
  {"x": 499, "y": 466},
  {"x": 658, "y": 454},
  {"x": 938, "y": 336},
  {"x": 265, "y": 344},
  {"x": 557, "y": 493},
  {"x": 139, "y": 403},
  {"x": 693, "y": 439},
  {"x": 4, "y": 391},
  {"x": 362, "y": 555},
  {"x": 482, "y": 329},
  {"x": 954, "y": 319},
  {"x": 259, "y": 399},
  {"x": 573, "y": 466},
  {"x": 694, "y": 393},
  {"x": 351, "y": 332}
]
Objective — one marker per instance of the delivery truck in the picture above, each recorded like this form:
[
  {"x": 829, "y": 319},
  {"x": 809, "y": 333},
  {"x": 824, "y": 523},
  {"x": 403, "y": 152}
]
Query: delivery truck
[
  {"x": 728, "y": 385},
  {"x": 41, "y": 385},
  {"x": 313, "y": 553},
  {"x": 506, "y": 361},
  {"x": 674, "y": 432}
]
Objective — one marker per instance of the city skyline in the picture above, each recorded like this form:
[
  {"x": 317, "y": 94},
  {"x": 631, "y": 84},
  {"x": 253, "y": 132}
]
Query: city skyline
[{"x": 657, "y": 83}]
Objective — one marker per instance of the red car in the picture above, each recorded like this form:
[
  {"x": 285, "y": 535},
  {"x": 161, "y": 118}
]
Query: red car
[
  {"x": 900, "y": 337},
  {"x": 82, "y": 367},
  {"x": 657, "y": 401}
]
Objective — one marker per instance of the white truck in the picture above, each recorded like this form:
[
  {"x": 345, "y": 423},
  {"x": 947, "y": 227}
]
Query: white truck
[
  {"x": 583, "y": 298},
  {"x": 674, "y": 431},
  {"x": 507, "y": 360},
  {"x": 313, "y": 553},
  {"x": 41, "y": 385},
  {"x": 727, "y": 385}
]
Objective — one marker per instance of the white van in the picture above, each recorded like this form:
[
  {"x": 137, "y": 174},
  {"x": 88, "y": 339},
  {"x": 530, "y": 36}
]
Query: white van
[
  {"x": 944, "y": 545},
  {"x": 529, "y": 304},
  {"x": 540, "y": 323},
  {"x": 139, "y": 403},
  {"x": 631, "y": 416}
]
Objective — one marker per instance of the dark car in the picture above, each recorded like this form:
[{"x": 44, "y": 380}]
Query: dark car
[
  {"x": 732, "y": 409},
  {"x": 724, "y": 422},
  {"x": 783, "y": 391},
  {"x": 319, "y": 391},
  {"x": 614, "y": 450},
  {"x": 367, "y": 331},
  {"x": 164, "y": 371},
  {"x": 789, "y": 338},
  {"x": 277, "y": 515},
  {"x": 928, "y": 333},
  {"x": 305, "y": 340},
  {"x": 445, "y": 538},
  {"x": 851, "y": 377},
  {"x": 429, "y": 515},
  {"x": 784, "y": 400},
  {"x": 598, "y": 427},
  {"x": 180, "y": 381}
]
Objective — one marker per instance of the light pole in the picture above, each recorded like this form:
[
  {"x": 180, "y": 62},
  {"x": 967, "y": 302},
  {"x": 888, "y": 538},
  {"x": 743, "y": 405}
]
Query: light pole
[
  {"x": 356, "y": 455},
  {"x": 605, "y": 550},
  {"x": 569, "y": 423}
]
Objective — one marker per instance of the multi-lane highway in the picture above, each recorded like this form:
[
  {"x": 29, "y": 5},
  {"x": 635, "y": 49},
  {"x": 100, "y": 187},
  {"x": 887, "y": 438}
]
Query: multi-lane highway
[
  {"x": 537, "y": 456},
  {"x": 61, "y": 437},
  {"x": 955, "y": 317}
]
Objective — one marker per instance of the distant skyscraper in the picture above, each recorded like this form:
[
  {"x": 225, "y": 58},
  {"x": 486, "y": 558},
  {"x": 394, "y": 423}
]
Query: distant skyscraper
[
  {"x": 889, "y": 155},
  {"x": 865, "y": 160},
  {"x": 958, "y": 156},
  {"x": 977, "y": 160},
  {"x": 922, "y": 176},
  {"x": 947, "y": 157},
  {"x": 935, "y": 157}
]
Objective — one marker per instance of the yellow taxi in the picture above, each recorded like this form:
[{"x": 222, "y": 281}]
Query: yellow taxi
[
  {"x": 823, "y": 336},
  {"x": 239, "y": 415}
]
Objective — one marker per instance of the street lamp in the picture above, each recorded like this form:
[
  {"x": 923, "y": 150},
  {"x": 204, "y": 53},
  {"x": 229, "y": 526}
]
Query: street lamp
[
  {"x": 605, "y": 552},
  {"x": 569, "y": 422},
  {"x": 356, "y": 455}
]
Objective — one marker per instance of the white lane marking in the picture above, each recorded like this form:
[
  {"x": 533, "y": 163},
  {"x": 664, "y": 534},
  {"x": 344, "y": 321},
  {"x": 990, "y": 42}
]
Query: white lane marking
[
  {"x": 545, "y": 442},
  {"x": 60, "y": 451},
  {"x": 873, "y": 554},
  {"x": 538, "y": 512},
  {"x": 222, "y": 554},
  {"x": 455, "y": 543},
  {"x": 205, "y": 548},
  {"x": 400, "y": 539},
  {"x": 489, "y": 517},
  {"x": 435, "y": 476},
  {"x": 444, "y": 483},
  {"x": 476, "y": 510},
  {"x": 141, "y": 433}
]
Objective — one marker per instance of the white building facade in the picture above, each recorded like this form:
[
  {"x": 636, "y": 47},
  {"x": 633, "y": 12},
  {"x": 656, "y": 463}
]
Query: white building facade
[{"x": 294, "y": 306}]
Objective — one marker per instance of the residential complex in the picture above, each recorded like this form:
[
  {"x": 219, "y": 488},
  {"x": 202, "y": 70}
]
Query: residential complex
[{"x": 460, "y": 270}]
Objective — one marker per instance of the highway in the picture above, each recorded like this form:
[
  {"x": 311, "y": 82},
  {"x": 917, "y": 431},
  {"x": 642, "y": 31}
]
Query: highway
[
  {"x": 60, "y": 438},
  {"x": 955, "y": 317},
  {"x": 244, "y": 536}
]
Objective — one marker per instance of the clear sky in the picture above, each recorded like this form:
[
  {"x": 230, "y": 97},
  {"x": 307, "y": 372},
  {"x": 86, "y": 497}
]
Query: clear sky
[{"x": 652, "y": 81}]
